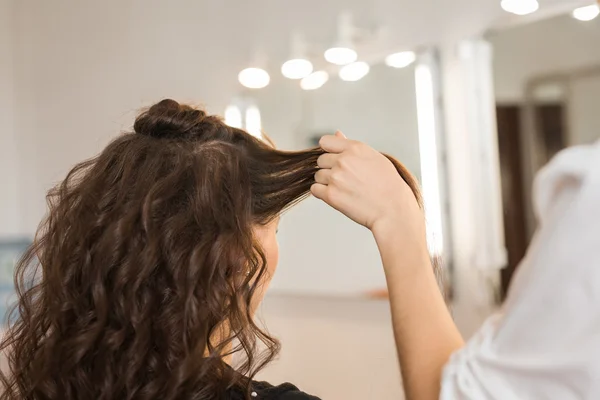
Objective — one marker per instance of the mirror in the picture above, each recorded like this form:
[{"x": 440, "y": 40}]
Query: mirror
[
  {"x": 547, "y": 85},
  {"x": 322, "y": 252}
]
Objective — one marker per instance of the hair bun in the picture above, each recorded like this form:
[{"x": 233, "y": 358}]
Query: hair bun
[{"x": 169, "y": 119}]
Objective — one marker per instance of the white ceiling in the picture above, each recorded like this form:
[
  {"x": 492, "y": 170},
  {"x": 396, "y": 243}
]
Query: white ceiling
[{"x": 268, "y": 23}]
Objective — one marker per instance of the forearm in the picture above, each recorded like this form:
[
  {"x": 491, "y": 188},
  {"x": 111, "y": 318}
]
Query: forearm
[{"x": 424, "y": 331}]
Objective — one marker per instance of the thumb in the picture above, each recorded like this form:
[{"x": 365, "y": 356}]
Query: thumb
[{"x": 340, "y": 135}]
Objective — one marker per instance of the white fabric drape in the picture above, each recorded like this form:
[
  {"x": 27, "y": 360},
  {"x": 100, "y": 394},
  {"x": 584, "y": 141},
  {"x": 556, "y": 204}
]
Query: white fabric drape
[{"x": 545, "y": 344}]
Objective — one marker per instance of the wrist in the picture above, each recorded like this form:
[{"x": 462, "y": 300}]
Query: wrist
[
  {"x": 399, "y": 228},
  {"x": 402, "y": 241},
  {"x": 385, "y": 227}
]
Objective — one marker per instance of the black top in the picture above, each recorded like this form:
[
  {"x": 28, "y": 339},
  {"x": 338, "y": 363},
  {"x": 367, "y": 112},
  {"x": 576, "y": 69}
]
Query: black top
[{"x": 266, "y": 391}]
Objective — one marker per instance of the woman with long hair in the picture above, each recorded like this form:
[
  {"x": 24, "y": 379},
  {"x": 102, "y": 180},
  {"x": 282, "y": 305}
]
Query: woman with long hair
[{"x": 143, "y": 280}]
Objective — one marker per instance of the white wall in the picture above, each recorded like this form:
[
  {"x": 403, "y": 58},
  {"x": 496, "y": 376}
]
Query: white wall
[
  {"x": 334, "y": 348},
  {"x": 584, "y": 118},
  {"x": 10, "y": 215}
]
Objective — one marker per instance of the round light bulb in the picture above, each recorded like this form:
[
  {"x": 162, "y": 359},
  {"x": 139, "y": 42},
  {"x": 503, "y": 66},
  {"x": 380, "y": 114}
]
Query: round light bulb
[
  {"x": 354, "y": 72},
  {"x": 520, "y": 7},
  {"x": 341, "y": 55},
  {"x": 254, "y": 78},
  {"x": 297, "y": 68},
  {"x": 586, "y": 13},
  {"x": 400, "y": 60},
  {"x": 314, "y": 80}
]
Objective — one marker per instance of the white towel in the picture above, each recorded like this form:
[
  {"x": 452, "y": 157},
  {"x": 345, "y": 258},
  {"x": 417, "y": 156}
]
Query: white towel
[{"x": 545, "y": 344}]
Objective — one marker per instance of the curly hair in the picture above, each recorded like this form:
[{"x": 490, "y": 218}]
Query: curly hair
[{"x": 140, "y": 279}]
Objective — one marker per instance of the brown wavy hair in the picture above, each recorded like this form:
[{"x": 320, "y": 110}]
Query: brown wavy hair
[{"x": 140, "y": 279}]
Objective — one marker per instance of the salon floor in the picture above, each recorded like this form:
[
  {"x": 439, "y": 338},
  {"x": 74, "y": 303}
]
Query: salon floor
[
  {"x": 333, "y": 348},
  {"x": 339, "y": 348}
]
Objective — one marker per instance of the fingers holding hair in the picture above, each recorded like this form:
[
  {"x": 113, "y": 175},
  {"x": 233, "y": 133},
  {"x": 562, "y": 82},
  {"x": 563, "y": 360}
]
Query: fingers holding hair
[
  {"x": 334, "y": 143},
  {"x": 327, "y": 160},
  {"x": 319, "y": 191},
  {"x": 323, "y": 176}
]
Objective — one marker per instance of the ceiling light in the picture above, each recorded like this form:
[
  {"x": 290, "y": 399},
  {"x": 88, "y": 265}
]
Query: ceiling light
[
  {"x": 254, "y": 78},
  {"x": 297, "y": 68},
  {"x": 314, "y": 80},
  {"x": 354, "y": 72},
  {"x": 586, "y": 13},
  {"x": 520, "y": 7},
  {"x": 341, "y": 55},
  {"x": 400, "y": 60}
]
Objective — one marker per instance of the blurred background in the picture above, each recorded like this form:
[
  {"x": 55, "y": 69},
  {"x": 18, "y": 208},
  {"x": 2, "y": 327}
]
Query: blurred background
[{"x": 474, "y": 96}]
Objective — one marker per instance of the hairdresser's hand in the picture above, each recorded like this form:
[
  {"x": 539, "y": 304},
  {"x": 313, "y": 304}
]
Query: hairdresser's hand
[{"x": 365, "y": 186}]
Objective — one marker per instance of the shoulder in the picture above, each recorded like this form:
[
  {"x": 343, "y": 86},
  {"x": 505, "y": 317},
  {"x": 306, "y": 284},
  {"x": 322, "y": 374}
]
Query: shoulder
[{"x": 286, "y": 391}]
